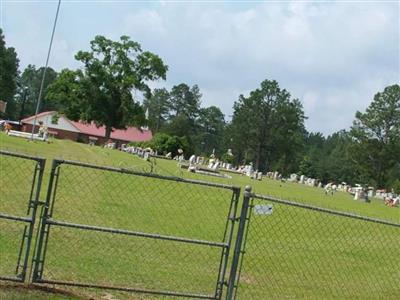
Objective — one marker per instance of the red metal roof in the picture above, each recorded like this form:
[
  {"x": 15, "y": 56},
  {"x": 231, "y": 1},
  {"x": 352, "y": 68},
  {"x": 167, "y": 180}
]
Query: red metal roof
[{"x": 131, "y": 134}]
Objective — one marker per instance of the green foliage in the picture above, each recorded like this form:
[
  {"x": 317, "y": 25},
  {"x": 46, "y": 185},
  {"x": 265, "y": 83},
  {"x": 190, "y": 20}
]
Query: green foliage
[
  {"x": 328, "y": 158},
  {"x": 184, "y": 108},
  {"x": 268, "y": 128},
  {"x": 228, "y": 158},
  {"x": 337, "y": 164},
  {"x": 159, "y": 143},
  {"x": 55, "y": 118},
  {"x": 209, "y": 131},
  {"x": 164, "y": 143},
  {"x": 185, "y": 101},
  {"x": 102, "y": 91},
  {"x": 306, "y": 167},
  {"x": 157, "y": 105},
  {"x": 312, "y": 162},
  {"x": 178, "y": 113},
  {"x": 179, "y": 126},
  {"x": 376, "y": 136},
  {"x": 29, "y": 88},
  {"x": 68, "y": 91},
  {"x": 174, "y": 143},
  {"x": 8, "y": 77},
  {"x": 396, "y": 186},
  {"x": 367, "y": 154}
]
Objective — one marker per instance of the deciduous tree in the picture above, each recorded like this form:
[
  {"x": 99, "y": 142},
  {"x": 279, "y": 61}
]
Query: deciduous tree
[
  {"x": 8, "y": 76},
  {"x": 112, "y": 71},
  {"x": 376, "y": 136}
]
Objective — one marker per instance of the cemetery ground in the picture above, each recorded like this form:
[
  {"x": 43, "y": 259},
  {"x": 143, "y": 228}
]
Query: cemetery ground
[{"x": 69, "y": 250}]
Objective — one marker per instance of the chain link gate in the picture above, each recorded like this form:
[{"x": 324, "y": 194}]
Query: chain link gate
[
  {"x": 298, "y": 251},
  {"x": 151, "y": 234},
  {"x": 20, "y": 182},
  {"x": 111, "y": 228}
]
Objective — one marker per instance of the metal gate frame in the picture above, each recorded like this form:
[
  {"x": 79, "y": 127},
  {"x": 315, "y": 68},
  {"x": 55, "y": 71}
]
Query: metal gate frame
[
  {"x": 244, "y": 225},
  {"x": 29, "y": 219},
  {"x": 46, "y": 222}
]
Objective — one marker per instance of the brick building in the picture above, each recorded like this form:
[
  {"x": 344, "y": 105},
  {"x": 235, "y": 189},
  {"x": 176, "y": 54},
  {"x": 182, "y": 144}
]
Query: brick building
[{"x": 62, "y": 128}]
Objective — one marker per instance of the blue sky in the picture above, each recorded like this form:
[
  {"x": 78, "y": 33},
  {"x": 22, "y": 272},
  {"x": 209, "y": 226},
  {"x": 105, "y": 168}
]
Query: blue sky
[{"x": 332, "y": 55}]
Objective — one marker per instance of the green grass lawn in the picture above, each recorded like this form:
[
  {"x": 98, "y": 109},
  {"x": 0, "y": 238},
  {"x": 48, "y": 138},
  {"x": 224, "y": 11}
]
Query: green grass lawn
[{"x": 294, "y": 253}]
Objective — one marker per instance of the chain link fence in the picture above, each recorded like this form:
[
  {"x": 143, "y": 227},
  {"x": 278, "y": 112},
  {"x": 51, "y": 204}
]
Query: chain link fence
[
  {"x": 20, "y": 181},
  {"x": 297, "y": 251},
  {"x": 124, "y": 230}
]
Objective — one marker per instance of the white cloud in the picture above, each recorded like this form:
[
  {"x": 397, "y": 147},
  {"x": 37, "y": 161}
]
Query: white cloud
[
  {"x": 332, "y": 56},
  {"x": 310, "y": 99}
]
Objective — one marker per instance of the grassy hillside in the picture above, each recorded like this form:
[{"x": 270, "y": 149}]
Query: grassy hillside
[
  {"x": 328, "y": 252},
  {"x": 292, "y": 191}
]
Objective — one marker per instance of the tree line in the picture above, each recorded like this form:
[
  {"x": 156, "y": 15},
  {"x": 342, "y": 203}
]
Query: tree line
[{"x": 267, "y": 127}]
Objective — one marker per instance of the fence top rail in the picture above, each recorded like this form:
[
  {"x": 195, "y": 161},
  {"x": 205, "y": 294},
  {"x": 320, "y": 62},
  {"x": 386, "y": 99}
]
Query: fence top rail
[
  {"x": 136, "y": 233},
  {"x": 325, "y": 210},
  {"x": 15, "y": 218},
  {"x": 25, "y": 156},
  {"x": 151, "y": 175}
]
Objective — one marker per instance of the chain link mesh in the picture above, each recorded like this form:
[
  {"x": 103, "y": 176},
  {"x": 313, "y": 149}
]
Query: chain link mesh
[
  {"x": 10, "y": 241},
  {"x": 189, "y": 226},
  {"x": 17, "y": 175},
  {"x": 110, "y": 227},
  {"x": 18, "y": 185},
  {"x": 295, "y": 252}
]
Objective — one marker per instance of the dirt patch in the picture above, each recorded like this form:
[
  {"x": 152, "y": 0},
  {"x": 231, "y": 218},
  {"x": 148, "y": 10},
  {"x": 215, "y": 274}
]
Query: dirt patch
[
  {"x": 248, "y": 279},
  {"x": 16, "y": 291},
  {"x": 47, "y": 289},
  {"x": 108, "y": 297}
]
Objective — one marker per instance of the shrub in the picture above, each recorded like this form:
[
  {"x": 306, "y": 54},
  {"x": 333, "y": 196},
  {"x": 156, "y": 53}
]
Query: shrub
[
  {"x": 164, "y": 143},
  {"x": 396, "y": 186}
]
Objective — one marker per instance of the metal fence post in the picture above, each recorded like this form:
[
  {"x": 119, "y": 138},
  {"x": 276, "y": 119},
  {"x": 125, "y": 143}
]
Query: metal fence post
[
  {"x": 238, "y": 244},
  {"x": 38, "y": 258},
  {"x": 33, "y": 203}
]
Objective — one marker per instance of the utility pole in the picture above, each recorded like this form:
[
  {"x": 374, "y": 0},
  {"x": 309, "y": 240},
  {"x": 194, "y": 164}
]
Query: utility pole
[{"x": 44, "y": 71}]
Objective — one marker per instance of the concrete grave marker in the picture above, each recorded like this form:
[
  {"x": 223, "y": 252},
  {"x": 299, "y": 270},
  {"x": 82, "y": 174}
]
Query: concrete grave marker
[{"x": 263, "y": 209}]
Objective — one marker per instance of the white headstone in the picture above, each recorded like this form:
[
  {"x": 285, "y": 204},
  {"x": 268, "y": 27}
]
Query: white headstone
[
  {"x": 293, "y": 177},
  {"x": 371, "y": 193}
]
